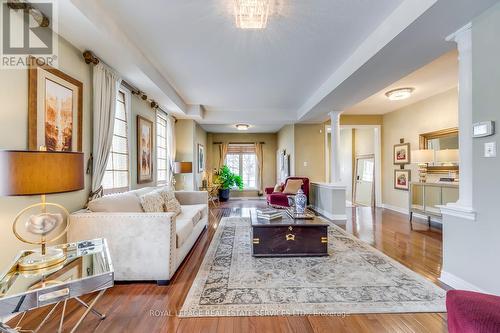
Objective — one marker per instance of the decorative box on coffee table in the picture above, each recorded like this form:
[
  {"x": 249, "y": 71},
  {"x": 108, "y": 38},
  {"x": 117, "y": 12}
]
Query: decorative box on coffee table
[{"x": 287, "y": 237}]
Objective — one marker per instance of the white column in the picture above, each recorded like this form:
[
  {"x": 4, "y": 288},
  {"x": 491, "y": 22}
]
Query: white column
[
  {"x": 463, "y": 38},
  {"x": 335, "y": 147}
]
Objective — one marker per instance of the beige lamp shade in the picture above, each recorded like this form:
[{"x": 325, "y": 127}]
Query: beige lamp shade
[
  {"x": 422, "y": 156},
  {"x": 447, "y": 156},
  {"x": 183, "y": 167},
  {"x": 40, "y": 172}
]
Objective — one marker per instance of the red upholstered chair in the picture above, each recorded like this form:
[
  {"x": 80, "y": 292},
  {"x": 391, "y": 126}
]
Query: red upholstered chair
[
  {"x": 280, "y": 199},
  {"x": 470, "y": 312}
]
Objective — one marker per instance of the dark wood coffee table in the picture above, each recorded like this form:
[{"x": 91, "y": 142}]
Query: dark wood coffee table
[{"x": 287, "y": 237}]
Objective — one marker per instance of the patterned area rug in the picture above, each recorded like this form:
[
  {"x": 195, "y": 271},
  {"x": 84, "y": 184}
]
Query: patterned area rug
[{"x": 355, "y": 278}]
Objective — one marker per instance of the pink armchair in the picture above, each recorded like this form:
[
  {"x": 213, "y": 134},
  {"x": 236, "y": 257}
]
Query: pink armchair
[{"x": 280, "y": 199}]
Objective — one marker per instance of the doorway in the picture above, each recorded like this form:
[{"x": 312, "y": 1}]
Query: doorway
[{"x": 364, "y": 181}]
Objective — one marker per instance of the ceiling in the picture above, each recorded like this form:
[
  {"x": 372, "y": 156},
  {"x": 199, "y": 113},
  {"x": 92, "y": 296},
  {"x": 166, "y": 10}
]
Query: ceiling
[
  {"x": 313, "y": 57},
  {"x": 436, "y": 77}
]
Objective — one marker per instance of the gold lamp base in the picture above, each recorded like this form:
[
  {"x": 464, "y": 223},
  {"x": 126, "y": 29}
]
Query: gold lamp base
[{"x": 37, "y": 260}]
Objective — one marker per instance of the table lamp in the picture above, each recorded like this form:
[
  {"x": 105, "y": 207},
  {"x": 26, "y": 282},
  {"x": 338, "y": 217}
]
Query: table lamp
[
  {"x": 26, "y": 173},
  {"x": 422, "y": 157},
  {"x": 182, "y": 167}
]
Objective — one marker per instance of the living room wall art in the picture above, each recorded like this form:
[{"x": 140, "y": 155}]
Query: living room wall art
[
  {"x": 144, "y": 150},
  {"x": 402, "y": 180},
  {"x": 201, "y": 158},
  {"x": 54, "y": 109},
  {"x": 401, "y": 154}
]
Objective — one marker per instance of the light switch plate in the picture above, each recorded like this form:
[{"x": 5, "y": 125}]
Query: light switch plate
[
  {"x": 490, "y": 149},
  {"x": 305, "y": 163}
]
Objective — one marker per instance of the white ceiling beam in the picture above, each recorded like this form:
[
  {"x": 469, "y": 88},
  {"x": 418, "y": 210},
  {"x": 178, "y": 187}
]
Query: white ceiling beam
[
  {"x": 88, "y": 26},
  {"x": 396, "y": 22}
]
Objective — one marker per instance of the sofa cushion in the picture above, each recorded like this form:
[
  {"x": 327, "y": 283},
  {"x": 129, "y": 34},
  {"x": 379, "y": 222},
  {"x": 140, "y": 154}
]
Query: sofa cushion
[
  {"x": 184, "y": 228},
  {"x": 142, "y": 191},
  {"x": 170, "y": 201},
  {"x": 193, "y": 212},
  {"x": 292, "y": 186},
  {"x": 120, "y": 202},
  {"x": 152, "y": 202}
]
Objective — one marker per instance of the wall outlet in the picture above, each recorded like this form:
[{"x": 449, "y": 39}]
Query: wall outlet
[{"x": 490, "y": 149}]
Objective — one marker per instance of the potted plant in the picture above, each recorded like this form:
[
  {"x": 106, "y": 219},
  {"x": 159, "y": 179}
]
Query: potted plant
[{"x": 227, "y": 180}]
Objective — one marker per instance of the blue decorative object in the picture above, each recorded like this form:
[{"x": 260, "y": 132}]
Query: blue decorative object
[{"x": 300, "y": 202}]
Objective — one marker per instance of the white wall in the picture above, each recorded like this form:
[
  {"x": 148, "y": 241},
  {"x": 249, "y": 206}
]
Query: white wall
[
  {"x": 471, "y": 248},
  {"x": 14, "y": 135}
]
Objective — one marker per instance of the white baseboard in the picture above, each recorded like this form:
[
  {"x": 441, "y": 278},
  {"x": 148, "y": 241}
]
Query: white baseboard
[
  {"x": 406, "y": 212},
  {"x": 457, "y": 283},
  {"x": 328, "y": 215}
]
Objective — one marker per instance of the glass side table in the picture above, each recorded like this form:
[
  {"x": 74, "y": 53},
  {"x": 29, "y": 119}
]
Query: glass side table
[{"x": 87, "y": 269}]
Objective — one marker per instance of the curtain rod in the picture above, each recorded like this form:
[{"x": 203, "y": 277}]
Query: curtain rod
[
  {"x": 90, "y": 57},
  {"x": 239, "y": 143}
]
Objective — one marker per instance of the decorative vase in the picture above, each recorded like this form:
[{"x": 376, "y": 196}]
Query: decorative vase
[
  {"x": 300, "y": 202},
  {"x": 224, "y": 195}
]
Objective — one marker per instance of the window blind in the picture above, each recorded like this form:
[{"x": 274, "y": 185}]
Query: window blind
[{"x": 244, "y": 148}]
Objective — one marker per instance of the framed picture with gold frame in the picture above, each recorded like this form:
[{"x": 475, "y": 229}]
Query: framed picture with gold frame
[
  {"x": 144, "y": 150},
  {"x": 55, "y": 102}
]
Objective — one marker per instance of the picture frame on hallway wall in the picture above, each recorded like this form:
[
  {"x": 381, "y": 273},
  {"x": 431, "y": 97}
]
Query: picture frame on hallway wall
[
  {"x": 401, "y": 154},
  {"x": 402, "y": 179},
  {"x": 201, "y": 158},
  {"x": 55, "y": 103},
  {"x": 144, "y": 150}
]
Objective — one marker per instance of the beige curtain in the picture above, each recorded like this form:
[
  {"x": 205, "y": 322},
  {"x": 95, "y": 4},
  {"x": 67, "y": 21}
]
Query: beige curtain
[
  {"x": 222, "y": 153},
  {"x": 106, "y": 83},
  {"x": 260, "y": 162}
]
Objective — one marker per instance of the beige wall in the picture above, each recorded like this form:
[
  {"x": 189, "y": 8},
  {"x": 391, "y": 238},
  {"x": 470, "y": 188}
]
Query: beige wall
[
  {"x": 14, "y": 134},
  {"x": 200, "y": 138},
  {"x": 364, "y": 141},
  {"x": 184, "y": 138},
  {"x": 347, "y": 119},
  {"x": 432, "y": 114},
  {"x": 309, "y": 145},
  {"x": 269, "y": 150},
  {"x": 286, "y": 142}
]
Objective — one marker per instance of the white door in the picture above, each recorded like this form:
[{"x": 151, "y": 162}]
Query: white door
[{"x": 364, "y": 185}]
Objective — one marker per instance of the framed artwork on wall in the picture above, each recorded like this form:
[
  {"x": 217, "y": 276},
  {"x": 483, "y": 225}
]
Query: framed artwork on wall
[
  {"x": 402, "y": 180},
  {"x": 55, "y": 102},
  {"x": 144, "y": 150},
  {"x": 401, "y": 154},
  {"x": 201, "y": 158}
]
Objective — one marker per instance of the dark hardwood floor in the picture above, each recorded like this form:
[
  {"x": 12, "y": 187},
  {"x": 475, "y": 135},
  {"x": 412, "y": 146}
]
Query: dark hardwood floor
[{"x": 146, "y": 307}]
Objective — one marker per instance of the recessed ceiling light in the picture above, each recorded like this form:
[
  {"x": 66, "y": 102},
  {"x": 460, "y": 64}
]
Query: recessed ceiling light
[
  {"x": 242, "y": 127},
  {"x": 399, "y": 94},
  {"x": 251, "y": 14}
]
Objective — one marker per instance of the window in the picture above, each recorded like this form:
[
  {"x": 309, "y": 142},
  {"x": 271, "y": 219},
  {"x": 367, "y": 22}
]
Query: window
[
  {"x": 116, "y": 178},
  {"x": 241, "y": 160},
  {"x": 161, "y": 148}
]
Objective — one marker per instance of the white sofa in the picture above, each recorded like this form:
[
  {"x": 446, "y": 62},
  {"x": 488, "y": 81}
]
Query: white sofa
[{"x": 143, "y": 246}]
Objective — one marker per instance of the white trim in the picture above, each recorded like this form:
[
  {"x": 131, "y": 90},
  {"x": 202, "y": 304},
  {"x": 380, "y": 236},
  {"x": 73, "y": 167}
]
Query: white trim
[
  {"x": 452, "y": 37},
  {"x": 458, "y": 283},
  {"x": 407, "y": 212},
  {"x": 335, "y": 186},
  {"x": 334, "y": 217},
  {"x": 453, "y": 209}
]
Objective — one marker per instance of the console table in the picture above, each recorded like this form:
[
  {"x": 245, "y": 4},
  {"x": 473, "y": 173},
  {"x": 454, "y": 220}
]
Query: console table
[
  {"x": 87, "y": 269},
  {"x": 426, "y": 197}
]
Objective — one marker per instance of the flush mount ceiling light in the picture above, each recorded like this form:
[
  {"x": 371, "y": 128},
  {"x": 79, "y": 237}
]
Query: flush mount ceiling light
[
  {"x": 251, "y": 14},
  {"x": 399, "y": 94},
  {"x": 242, "y": 127}
]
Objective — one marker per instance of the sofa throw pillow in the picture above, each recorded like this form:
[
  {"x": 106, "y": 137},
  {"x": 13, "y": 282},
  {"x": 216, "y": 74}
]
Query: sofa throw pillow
[
  {"x": 152, "y": 202},
  {"x": 116, "y": 203},
  {"x": 170, "y": 201},
  {"x": 292, "y": 186},
  {"x": 277, "y": 188}
]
